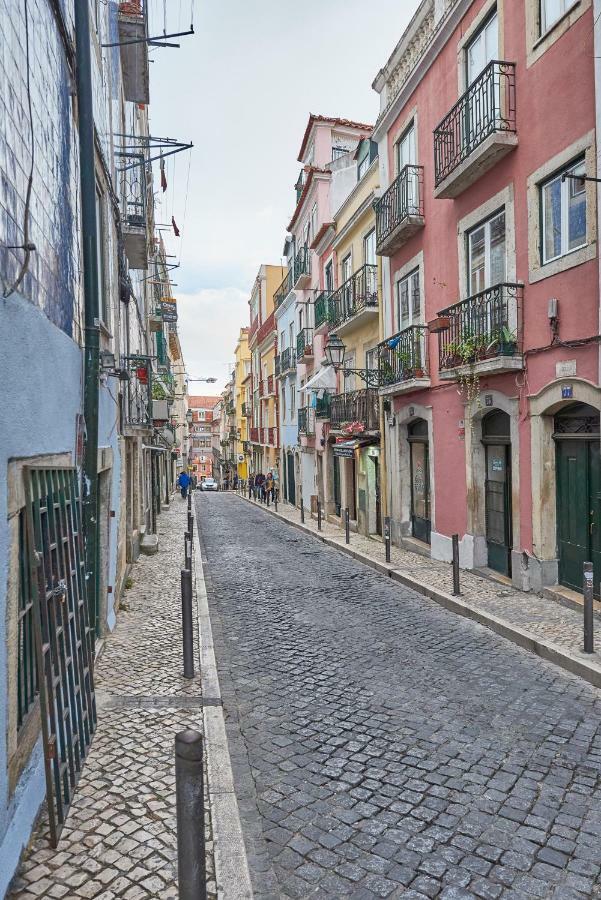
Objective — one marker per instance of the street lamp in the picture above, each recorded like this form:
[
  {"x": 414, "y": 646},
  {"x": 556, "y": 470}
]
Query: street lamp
[{"x": 335, "y": 352}]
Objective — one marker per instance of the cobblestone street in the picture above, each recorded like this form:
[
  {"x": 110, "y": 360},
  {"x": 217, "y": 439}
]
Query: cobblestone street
[
  {"x": 383, "y": 746},
  {"x": 119, "y": 840}
]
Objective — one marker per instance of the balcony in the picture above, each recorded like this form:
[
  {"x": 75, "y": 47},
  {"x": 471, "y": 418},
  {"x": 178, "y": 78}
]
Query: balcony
[
  {"x": 304, "y": 343},
  {"x": 322, "y": 310},
  {"x": 400, "y": 210},
  {"x": 276, "y": 363},
  {"x": 357, "y": 408},
  {"x": 272, "y": 437},
  {"x": 267, "y": 328},
  {"x": 355, "y": 301},
  {"x": 246, "y": 447},
  {"x": 404, "y": 365},
  {"x": 306, "y": 420},
  {"x": 254, "y": 435},
  {"x": 134, "y": 51},
  {"x": 246, "y": 410},
  {"x": 262, "y": 388},
  {"x": 284, "y": 289},
  {"x": 287, "y": 361},
  {"x": 135, "y": 233},
  {"x": 270, "y": 385},
  {"x": 137, "y": 393},
  {"x": 322, "y": 406},
  {"x": 478, "y": 132},
  {"x": 302, "y": 268},
  {"x": 484, "y": 334}
]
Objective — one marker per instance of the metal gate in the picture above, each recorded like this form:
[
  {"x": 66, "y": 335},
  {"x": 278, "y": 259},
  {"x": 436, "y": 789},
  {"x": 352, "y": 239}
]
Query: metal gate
[{"x": 63, "y": 638}]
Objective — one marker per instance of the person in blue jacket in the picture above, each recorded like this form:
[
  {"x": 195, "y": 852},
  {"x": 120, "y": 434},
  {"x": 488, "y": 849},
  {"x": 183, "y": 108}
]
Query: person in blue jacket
[{"x": 183, "y": 483}]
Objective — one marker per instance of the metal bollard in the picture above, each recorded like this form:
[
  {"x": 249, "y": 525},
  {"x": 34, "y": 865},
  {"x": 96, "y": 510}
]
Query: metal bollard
[
  {"x": 190, "y": 522},
  {"x": 189, "y": 501},
  {"x": 302, "y": 509},
  {"x": 187, "y": 550},
  {"x": 347, "y": 525},
  {"x": 589, "y": 638},
  {"x": 267, "y": 498},
  {"x": 190, "y": 816},
  {"x": 387, "y": 537},
  {"x": 319, "y": 515},
  {"x": 187, "y": 625},
  {"x": 456, "y": 591},
  {"x": 275, "y": 501}
]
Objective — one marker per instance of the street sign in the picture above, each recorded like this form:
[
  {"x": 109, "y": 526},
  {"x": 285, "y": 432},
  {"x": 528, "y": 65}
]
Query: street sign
[{"x": 169, "y": 310}]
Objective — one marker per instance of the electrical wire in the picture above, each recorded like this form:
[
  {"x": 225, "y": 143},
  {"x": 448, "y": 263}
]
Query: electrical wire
[{"x": 27, "y": 246}]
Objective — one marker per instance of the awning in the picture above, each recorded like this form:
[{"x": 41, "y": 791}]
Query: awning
[
  {"x": 325, "y": 379},
  {"x": 347, "y": 448}
]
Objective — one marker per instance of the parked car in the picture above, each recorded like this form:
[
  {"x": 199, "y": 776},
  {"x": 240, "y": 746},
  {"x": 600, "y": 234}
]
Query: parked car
[{"x": 209, "y": 484}]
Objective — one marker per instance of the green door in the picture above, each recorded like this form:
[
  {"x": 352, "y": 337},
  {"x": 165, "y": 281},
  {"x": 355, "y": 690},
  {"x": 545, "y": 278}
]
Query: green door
[
  {"x": 578, "y": 494},
  {"x": 496, "y": 427}
]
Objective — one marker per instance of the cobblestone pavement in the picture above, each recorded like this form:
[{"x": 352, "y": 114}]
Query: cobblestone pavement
[
  {"x": 545, "y": 618},
  {"x": 383, "y": 746},
  {"x": 119, "y": 840}
]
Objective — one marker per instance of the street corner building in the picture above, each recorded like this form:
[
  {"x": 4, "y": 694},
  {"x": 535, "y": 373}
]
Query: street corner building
[{"x": 94, "y": 408}]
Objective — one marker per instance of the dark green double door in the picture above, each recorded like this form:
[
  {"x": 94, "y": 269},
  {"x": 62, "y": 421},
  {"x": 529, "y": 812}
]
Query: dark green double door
[{"x": 578, "y": 506}]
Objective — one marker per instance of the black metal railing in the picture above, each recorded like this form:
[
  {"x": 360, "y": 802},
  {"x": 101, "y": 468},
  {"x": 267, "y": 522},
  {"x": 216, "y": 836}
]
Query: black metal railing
[
  {"x": 484, "y": 326},
  {"x": 355, "y": 407},
  {"x": 322, "y": 406},
  {"x": 284, "y": 289},
  {"x": 306, "y": 420},
  {"x": 137, "y": 394},
  {"x": 287, "y": 360},
  {"x": 302, "y": 263},
  {"x": 359, "y": 292},
  {"x": 403, "y": 356},
  {"x": 304, "y": 342},
  {"x": 133, "y": 167},
  {"x": 403, "y": 199},
  {"x": 487, "y": 106},
  {"x": 322, "y": 309},
  {"x": 276, "y": 365}
]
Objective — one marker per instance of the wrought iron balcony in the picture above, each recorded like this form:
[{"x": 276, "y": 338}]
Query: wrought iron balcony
[
  {"x": 322, "y": 310},
  {"x": 262, "y": 388},
  {"x": 484, "y": 332},
  {"x": 406, "y": 361},
  {"x": 135, "y": 193},
  {"x": 254, "y": 435},
  {"x": 270, "y": 384},
  {"x": 400, "y": 210},
  {"x": 322, "y": 406},
  {"x": 477, "y": 132},
  {"x": 355, "y": 407},
  {"x": 134, "y": 51},
  {"x": 287, "y": 361},
  {"x": 304, "y": 343},
  {"x": 357, "y": 295},
  {"x": 306, "y": 420},
  {"x": 284, "y": 289},
  {"x": 246, "y": 410},
  {"x": 272, "y": 437},
  {"x": 137, "y": 399},
  {"x": 302, "y": 267}
]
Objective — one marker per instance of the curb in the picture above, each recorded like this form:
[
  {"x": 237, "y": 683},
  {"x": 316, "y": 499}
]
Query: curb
[
  {"x": 231, "y": 865},
  {"x": 577, "y": 664}
]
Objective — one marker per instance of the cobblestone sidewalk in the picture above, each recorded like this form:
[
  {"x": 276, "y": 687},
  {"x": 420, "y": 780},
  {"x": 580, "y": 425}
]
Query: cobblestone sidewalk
[
  {"x": 542, "y": 617},
  {"x": 120, "y": 840}
]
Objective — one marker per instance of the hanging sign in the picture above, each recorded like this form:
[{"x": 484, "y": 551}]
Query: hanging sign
[{"x": 169, "y": 310}]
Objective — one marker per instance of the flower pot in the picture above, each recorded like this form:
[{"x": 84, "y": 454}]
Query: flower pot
[{"x": 440, "y": 323}]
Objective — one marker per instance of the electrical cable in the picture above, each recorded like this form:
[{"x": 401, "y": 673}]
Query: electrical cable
[{"x": 27, "y": 246}]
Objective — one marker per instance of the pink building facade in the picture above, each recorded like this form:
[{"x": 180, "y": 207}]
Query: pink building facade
[{"x": 489, "y": 364}]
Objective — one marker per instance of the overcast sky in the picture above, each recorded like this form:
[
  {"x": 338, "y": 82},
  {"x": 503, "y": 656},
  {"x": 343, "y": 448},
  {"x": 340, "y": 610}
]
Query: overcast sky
[{"x": 242, "y": 89}]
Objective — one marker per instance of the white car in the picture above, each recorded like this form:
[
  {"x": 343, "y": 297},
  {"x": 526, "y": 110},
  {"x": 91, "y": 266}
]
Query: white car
[{"x": 209, "y": 484}]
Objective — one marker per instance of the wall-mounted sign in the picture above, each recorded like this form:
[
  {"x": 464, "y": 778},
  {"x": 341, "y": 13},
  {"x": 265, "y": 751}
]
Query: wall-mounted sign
[
  {"x": 565, "y": 368},
  {"x": 567, "y": 391},
  {"x": 411, "y": 411},
  {"x": 169, "y": 310},
  {"x": 497, "y": 464},
  {"x": 488, "y": 400}
]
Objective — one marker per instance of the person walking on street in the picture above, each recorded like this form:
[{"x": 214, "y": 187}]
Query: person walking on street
[
  {"x": 259, "y": 483},
  {"x": 183, "y": 483},
  {"x": 251, "y": 486},
  {"x": 269, "y": 487}
]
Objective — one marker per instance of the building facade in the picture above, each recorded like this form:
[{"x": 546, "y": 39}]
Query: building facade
[
  {"x": 200, "y": 429},
  {"x": 242, "y": 373}
]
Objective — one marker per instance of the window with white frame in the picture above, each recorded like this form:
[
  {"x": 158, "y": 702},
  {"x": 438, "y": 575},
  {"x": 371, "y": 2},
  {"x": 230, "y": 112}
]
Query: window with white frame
[
  {"x": 551, "y": 12},
  {"x": 487, "y": 254},
  {"x": 350, "y": 378},
  {"x": 408, "y": 300},
  {"x": 346, "y": 269},
  {"x": 292, "y": 400},
  {"x": 282, "y": 340},
  {"x": 563, "y": 200},
  {"x": 371, "y": 359},
  {"x": 284, "y": 404},
  {"x": 405, "y": 149},
  {"x": 313, "y": 229},
  {"x": 329, "y": 277}
]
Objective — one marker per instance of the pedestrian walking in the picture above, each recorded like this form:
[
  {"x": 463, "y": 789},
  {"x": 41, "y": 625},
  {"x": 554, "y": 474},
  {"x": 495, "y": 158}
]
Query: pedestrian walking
[
  {"x": 251, "y": 486},
  {"x": 269, "y": 486},
  {"x": 183, "y": 483},
  {"x": 259, "y": 486},
  {"x": 276, "y": 484}
]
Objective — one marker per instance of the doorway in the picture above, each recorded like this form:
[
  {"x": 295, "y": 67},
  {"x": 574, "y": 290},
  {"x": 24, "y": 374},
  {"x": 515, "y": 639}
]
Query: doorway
[
  {"x": 497, "y": 490},
  {"x": 578, "y": 470},
  {"x": 421, "y": 525},
  {"x": 377, "y": 490},
  {"x": 290, "y": 478},
  {"x": 336, "y": 483}
]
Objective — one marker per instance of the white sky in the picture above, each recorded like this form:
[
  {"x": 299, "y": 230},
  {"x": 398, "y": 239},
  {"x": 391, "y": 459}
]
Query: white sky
[{"x": 242, "y": 89}]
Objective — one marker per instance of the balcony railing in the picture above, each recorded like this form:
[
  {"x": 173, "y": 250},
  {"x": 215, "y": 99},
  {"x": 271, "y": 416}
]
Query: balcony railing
[
  {"x": 135, "y": 237},
  {"x": 483, "y": 327},
  {"x": 304, "y": 343},
  {"x": 488, "y": 106},
  {"x": 284, "y": 289},
  {"x": 271, "y": 384},
  {"x": 137, "y": 401},
  {"x": 322, "y": 309},
  {"x": 322, "y": 406},
  {"x": 306, "y": 420},
  {"x": 287, "y": 361},
  {"x": 262, "y": 388},
  {"x": 355, "y": 407},
  {"x": 302, "y": 264},
  {"x": 271, "y": 436},
  {"x": 277, "y": 365},
  {"x": 400, "y": 210},
  {"x": 358, "y": 293},
  {"x": 406, "y": 359},
  {"x": 254, "y": 435},
  {"x": 246, "y": 410}
]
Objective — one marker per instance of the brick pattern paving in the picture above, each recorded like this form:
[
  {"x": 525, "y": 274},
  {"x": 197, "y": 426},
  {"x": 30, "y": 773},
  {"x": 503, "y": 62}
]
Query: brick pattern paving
[
  {"x": 120, "y": 840},
  {"x": 383, "y": 746},
  {"x": 545, "y": 618}
]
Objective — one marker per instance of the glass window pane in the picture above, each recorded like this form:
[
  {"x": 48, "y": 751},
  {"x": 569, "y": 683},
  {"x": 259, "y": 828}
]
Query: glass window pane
[
  {"x": 497, "y": 250},
  {"x": 419, "y": 483},
  {"x": 477, "y": 247},
  {"x": 415, "y": 298},
  {"x": 404, "y": 293},
  {"x": 551, "y": 10},
  {"x": 552, "y": 219},
  {"x": 576, "y": 209}
]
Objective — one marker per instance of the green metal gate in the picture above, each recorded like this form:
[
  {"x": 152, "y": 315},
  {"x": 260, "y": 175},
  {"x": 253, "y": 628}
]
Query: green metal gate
[{"x": 63, "y": 637}]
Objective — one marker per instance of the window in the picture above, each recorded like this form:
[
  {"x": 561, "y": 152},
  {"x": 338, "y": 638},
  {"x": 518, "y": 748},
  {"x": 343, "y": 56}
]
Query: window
[
  {"x": 329, "y": 277},
  {"x": 345, "y": 272},
  {"x": 482, "y": 50},
  {"x": 405, "y": 149},
  {"x": 337, "y": 152},
  {"x": 349, "y": 380},
  {"x": 101, "y": 256},
  {"x": 486, "y": 254},
  {"x": 408, "y": 300},
  {"x": 369, "y": 248},
  {"x": 284, "y": 404},
  {"x": 292, "y": 400},
  {"x": 551, "y": 12},
  {"x": 564, "y": 212},
  {"x": 27, "y": 673},
  {"x": 282, "y": 340},
  {"x": 313, "y": 229},
  {"x": 291, "y": 334},
  {"x": 371, "y": 359}
]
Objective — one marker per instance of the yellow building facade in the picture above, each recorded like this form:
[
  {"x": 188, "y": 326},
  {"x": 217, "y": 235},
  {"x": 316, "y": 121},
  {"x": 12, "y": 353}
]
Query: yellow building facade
[{"x": 242, "y": 370}]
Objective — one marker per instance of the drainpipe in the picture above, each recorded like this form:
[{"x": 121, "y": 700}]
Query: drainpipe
[
  {"x": 383, "y": 435},
  {"x": 85, "y": 118}
]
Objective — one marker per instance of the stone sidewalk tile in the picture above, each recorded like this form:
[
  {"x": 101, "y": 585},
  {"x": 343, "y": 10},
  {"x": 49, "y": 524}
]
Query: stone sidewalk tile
[
  {"x": 119, "y": 840},
  {"x": 544, "y": 618}
]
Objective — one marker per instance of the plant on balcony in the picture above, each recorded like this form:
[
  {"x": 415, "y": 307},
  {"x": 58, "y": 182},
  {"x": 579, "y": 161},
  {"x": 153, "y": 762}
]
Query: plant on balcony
[
  {"x": 466, "y": 352},
  {"x": 352, "y": 427},
  {"x": 506, "y": 341}
]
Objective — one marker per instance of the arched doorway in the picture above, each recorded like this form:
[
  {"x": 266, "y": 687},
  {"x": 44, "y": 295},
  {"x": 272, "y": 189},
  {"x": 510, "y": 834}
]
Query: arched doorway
[
  {"x": 496, "y": 438},
  {"x": 419, "y": 452},
  {"x": 578, "y": 472}
]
